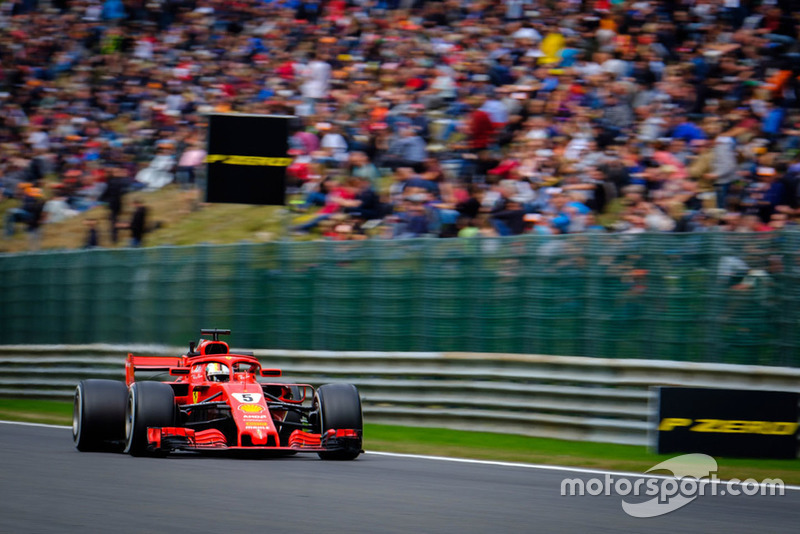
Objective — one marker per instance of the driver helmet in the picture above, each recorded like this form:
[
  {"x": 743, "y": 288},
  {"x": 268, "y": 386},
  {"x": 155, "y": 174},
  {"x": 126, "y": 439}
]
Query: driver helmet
[{"x": 217, "y": 372}]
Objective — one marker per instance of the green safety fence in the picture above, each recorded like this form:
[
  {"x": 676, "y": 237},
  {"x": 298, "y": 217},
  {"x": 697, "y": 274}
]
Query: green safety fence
[{"x": 713, "y": 297}]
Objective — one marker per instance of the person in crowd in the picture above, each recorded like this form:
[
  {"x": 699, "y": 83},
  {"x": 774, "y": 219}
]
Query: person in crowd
[
  {"x": 29, "y": 212},
  {"x": 92, "y": 236},
  {"x": 138, "y": 223}
]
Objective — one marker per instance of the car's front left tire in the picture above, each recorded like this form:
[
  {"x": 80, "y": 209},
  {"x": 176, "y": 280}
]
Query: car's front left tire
[{"x": 338, "y": 407}]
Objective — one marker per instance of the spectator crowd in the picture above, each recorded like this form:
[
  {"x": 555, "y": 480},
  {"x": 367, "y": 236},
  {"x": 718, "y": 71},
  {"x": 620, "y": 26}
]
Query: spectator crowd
[{"x": 417, "y": 118}]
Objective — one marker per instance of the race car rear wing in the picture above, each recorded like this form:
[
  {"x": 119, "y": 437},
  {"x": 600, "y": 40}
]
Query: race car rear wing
[{"x": 150, "y": 363}]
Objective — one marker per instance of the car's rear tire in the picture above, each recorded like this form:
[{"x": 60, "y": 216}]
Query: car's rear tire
[
  {"x": 149, "y": 404},
  {"x": 339, "y": 407},
  {"x": 98, "y": 415}
]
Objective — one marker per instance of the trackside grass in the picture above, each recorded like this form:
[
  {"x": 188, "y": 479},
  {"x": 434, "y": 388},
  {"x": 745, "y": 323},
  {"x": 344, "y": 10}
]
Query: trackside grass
[
  {"x": 490, "y": 446},
  {"x": 477, "y": 445},
  {"x": 36, "y": 411}
]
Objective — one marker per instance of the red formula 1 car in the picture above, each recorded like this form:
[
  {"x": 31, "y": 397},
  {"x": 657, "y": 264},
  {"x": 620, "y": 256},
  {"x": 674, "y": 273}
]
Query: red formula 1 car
[{"x": 215, "y": 403}]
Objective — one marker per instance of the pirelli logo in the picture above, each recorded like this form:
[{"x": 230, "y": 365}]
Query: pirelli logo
[
  {"x": 742, "y": 423},
  {"x": 729, "y": 426},
  {"x": 251, "y": 161}
]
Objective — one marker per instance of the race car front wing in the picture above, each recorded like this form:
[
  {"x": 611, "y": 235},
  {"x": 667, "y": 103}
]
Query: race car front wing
[{"x": 167, "y": 439}]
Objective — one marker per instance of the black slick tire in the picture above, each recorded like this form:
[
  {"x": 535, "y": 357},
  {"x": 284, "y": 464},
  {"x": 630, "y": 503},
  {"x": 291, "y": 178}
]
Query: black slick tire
[
  {"x": 339, "y": 407},
  {"x": 149, "y": 404},
  {"x": 98, "y": 415}
]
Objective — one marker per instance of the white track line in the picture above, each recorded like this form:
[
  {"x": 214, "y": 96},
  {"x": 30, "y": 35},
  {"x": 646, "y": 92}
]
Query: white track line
[
  {"x": 43, "y": 425},
  {"x": 543, "y": 467}
]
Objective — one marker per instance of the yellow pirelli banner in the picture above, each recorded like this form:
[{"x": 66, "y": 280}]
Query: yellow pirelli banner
[
  {"x": 247, "y": 158},
  {"x": 727, "y": 422}
]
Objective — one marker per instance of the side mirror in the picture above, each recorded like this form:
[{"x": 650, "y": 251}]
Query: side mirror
[
  {"x": 179, "y": 371},
  {"x": 271, "y": 372}
]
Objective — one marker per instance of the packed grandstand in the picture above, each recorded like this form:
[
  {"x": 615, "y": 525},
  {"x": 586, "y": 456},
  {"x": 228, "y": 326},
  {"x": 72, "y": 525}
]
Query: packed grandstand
[{"x": 416, "y": 118}]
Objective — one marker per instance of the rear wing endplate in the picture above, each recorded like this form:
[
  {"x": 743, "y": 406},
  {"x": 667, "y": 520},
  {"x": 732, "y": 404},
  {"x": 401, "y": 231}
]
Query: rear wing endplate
[{"x": 151, "y": 363}]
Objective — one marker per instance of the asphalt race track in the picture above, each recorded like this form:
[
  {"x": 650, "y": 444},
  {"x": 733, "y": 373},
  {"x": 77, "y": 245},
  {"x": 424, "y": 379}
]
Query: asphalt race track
[{"x": 48, "y": 486}]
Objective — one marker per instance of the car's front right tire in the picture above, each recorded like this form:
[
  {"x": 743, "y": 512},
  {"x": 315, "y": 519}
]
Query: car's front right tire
[{"x": 150, "y": 404}]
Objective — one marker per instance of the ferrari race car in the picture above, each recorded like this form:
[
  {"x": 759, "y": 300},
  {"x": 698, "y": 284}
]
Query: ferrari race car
[{"x": 215, "y": 403}]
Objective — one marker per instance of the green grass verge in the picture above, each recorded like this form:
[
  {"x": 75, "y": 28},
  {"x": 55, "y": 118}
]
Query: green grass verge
[
  {"x": 478, "y": 445},
  {"x": 512, "y": 448},
  {"x": 36, "y": 411}
]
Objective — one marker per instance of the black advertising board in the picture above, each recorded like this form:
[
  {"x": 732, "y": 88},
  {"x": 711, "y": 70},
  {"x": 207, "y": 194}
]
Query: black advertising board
[
  {"x": 247, "y": 158},
  {"x": 727, "y": 422}
]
